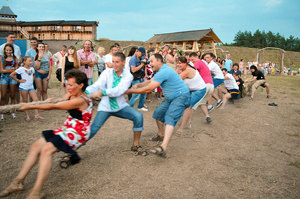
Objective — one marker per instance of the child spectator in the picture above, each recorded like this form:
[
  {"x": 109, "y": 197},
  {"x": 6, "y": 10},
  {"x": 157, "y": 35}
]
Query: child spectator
[{"x": 26, "y": 84}]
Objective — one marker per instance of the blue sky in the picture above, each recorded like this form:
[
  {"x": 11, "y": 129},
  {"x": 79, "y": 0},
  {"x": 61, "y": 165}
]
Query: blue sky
[{"x": 140, "y": 20}]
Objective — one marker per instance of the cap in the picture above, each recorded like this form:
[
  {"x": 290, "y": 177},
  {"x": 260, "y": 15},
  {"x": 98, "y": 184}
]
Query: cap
[{"x": 142, "y": 50}]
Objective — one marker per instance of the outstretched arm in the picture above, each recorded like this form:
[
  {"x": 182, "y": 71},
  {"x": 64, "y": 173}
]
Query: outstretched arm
[
  {"x": 77, "y": 102},
  {"x": 151, "y": 86}
]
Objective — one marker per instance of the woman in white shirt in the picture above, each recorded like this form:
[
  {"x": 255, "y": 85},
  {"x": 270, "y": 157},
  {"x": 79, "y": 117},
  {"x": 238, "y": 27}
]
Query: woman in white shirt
[{"x": 197, "y": 88}]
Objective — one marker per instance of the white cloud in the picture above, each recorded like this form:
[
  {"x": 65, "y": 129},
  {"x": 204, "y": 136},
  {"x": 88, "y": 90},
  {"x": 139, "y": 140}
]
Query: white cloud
[{"x": 272, "y": 3}]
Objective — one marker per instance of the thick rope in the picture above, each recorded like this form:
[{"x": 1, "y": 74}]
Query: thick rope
[{"x": 7, "y": 108}]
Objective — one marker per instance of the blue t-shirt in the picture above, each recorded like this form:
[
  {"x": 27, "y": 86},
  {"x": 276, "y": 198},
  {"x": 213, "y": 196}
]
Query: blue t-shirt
[
  {"x": 170, "y": 82},
  {"x": 134, "y": 61},
  {"x": 31, "y": 53},
  {"x": 228, "y": 64}
]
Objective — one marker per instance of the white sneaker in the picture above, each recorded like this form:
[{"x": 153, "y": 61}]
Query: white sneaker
[
  {"x": 13, "y": 115},
  {"x": 142, "y": 109},
  {"x": 1, "y": 117}
]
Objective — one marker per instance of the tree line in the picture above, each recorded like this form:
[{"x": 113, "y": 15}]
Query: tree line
[{"x": 262, "y": 39}]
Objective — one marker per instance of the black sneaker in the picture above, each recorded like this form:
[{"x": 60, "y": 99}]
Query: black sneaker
[
  {"x": 208, "y": 120},
  {"x": 157, "y": 138}
]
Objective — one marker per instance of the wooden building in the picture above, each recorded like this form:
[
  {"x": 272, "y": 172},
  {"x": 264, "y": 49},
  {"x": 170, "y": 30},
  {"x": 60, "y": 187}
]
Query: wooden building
[
  {"x": 47, "y": 30},
  {"x": 196, "y": 38}
]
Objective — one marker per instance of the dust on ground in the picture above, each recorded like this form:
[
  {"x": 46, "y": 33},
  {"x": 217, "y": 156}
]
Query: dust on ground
[{"x": 250, "y": 150}]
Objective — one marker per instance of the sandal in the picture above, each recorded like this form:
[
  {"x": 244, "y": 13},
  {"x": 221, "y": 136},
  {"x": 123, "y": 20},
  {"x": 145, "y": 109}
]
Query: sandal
[
  {"x": 159, "y": 151},
  {"x": 136, "y": 148},
  {"x": 68, "y": 160},
  {"x": 15, "y": 186},
  {"x": 157, "y": 138},
  {"x": 143, "y": 153}
]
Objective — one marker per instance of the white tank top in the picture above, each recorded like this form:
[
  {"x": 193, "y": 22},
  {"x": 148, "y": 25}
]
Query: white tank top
[{"x": 196, "y": 83}]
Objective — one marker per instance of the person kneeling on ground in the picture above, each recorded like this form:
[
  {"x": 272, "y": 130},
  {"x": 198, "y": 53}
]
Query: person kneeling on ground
[
  {"x": 177, "y": 99},
  {"x": 74, "y": 132},
  {"x": 232, "y": 89},
  {"x": 111, "y": 86},
  {"x": 257, "y": 79}
]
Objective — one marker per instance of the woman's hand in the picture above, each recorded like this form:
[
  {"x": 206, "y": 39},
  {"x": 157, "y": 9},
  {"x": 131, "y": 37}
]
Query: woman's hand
[{"x": 22, "y": 80}]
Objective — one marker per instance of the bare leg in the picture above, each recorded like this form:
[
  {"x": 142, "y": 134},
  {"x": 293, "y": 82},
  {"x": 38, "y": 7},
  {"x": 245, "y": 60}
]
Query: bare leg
[
  {"x": 44, "y": 89},
  {"x": 136, "y": 138},
  {"x": 209, "y": 101},
  {"x": 13, "y": 88},
  {"x": 45, "y": 165},
  {"x": 39, "y": 88},
  {"x": 3, "y": 94},
  {"x": 186, "y": 118},
  {"x": 31, "y": 158},
  {"x": 204, "y": 110},
  {"x": 168, "y": 134},
  {"x": 215, "y": 96},
  {"x": 161, "y": 128},
  {"x": 35, "y": 99},
  {"x": 24, "y": 95},
  {"x": 226, "y": 97}
]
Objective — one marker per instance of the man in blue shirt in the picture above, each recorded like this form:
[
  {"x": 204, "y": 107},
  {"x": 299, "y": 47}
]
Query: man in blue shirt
[
  {"x": 228, "y": 63},
  {"x": 32, "y": 51},
  {"x": 137, "y": 68},
  {"x": 177, "y": 99}
]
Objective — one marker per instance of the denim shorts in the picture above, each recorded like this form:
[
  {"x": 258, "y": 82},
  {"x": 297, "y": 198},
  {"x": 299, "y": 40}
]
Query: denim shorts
[
  {"x": 22, "y": 89},
  {"x": 170, "y": 111},
  {"x": 39, "y": 75},
  {"x": 196, "y": 97},
  {"x": 6, "y": 79},
  {"x": 218, "y": 82}
]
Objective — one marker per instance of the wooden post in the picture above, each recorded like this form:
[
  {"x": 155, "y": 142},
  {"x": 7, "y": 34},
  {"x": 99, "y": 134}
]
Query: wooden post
[
  {"x": 157, "y": 48},
  {"x": 202, "y": 48},
  {"x": 184, "y": 46},
  {"x": 174, "y": 45},
  {"x": 195, "y": 46},
  {"x": 214, "y": 48}
]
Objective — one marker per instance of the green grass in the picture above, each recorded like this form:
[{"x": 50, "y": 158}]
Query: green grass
[{"x": 295, "y": 164}]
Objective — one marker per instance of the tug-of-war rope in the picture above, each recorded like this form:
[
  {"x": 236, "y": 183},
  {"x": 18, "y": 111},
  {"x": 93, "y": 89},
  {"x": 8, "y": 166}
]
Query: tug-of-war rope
[{"x": 8, "y": 108}]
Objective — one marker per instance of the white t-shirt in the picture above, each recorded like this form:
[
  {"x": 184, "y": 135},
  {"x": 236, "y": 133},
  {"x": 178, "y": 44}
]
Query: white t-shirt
[
  {"x": 26, "y": 74},
  {"x": 17, "y": 51},
  {"x": 230, "y": 83},
  {"x": 215, "y": 70},
  {"x": 108, "y": 58},
  {"x": 127, "y": 67},
  {"x": 58, "y": 57}
]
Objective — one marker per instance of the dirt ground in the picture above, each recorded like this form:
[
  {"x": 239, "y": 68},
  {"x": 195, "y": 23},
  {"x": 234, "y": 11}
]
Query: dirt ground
[{"x": 250, "y": 150}]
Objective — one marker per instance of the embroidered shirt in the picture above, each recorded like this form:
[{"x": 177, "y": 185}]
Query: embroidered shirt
[{"x": 113, "y": 88}]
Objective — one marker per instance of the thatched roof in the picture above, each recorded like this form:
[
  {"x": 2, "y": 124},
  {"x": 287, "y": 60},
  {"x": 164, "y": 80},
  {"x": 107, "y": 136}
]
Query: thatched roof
[
  {"x": 205, "y": 35},
  {"x": 5, "y": 10}
]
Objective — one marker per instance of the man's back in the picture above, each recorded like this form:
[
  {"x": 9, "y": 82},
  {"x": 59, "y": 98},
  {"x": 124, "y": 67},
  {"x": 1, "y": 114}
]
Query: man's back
[
  {"x": 171, "y": 82},
  {"x": 203, "y": 71}
]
